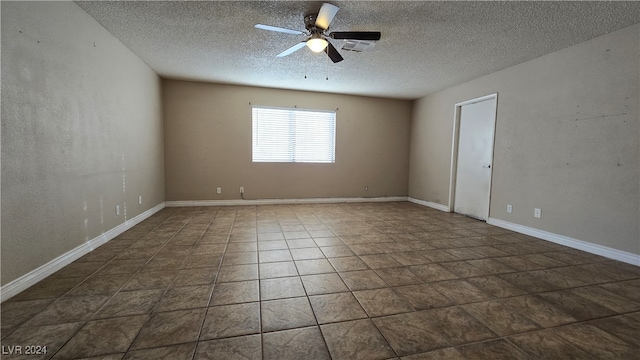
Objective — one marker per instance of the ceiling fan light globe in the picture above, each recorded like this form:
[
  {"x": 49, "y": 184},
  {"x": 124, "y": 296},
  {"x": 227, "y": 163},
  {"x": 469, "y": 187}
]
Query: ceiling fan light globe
[{"x": 317, "y": 44}]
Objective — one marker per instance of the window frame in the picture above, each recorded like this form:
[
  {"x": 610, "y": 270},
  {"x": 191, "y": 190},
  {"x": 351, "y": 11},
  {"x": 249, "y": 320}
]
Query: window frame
[{"x": 291, "y": 113}]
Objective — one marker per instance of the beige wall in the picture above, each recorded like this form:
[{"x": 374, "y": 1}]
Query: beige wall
[
  {"x": 567, "y": 141},
  {"x": 208, "y": 145},
  {"x": 81, "y": 133}
]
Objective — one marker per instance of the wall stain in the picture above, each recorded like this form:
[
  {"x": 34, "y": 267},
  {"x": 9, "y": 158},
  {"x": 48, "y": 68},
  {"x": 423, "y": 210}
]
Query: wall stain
[{"x": 601, "y": 117}]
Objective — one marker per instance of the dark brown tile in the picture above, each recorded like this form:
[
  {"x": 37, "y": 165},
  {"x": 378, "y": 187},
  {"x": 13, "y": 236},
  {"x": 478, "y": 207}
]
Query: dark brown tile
[
  {"x": 538, "y": 311},
  {"x": 130, "y": 303},
  {"x": 69, "y": 309},
  {"x": 48, "y": 288},
  {"x": 235, "y": 292},
  {"x": 495, "y": 287},
  {"x": 141, "y": 252},
  {"x": 464, "y": 253},
  {"x": 199, "y": 276},
  {"x": 315, "y": 266},
  {"x": 438, "y": 272},
  {"x": 440, "y": 354},
  {"x": 243, "y": 347},
  {"x": 237, "y": 273},
  {"x": 575, "y": 305},
  {"x": 204, "y": 261},
  {"x": 495, "y": 349},
  {"x": 209, "y": 249},
  {"x": 121, "y": 267},
  {"x": 529, "y": 280},
  {"x": 380, "y": 302},
  {"x": 624, "y": 327},
  {"x": 108, "y": 284},
  {"x": 491, "y": 266},
  {"x": 607, "y": 299},
  {"x": 410, "y": 258},
  {"x": 286, "y": 314},
  {"x": 14, "y": 313},
  {"x": 169, "y": 328},
  {"x": 358, "y": 339},
  {"x": 118, "y": 356},
  {"x": 77, "y": 269},
  {"x": 148, "y": 280},
  {"x": 460, "y": 291},
  {"x": 411, "y": 333},
  {"x": 280, "y": 288},
  {"x": 294, "y": 344},
  {"x": 543, "y": 260},
  {"x": 231, "y": 320},
  {"x": 53, "y": 337},
  {"x": 100, "y": 337},
  {"x": 457, "y": 326},
  {"x": 502, "y": 320},
  {"x": 627, "y": 289},
  {"x": 438, "y": 256},
  {"x": 362, "y": 280},
  {"x": 596, "y": 342},
  {"x": 518, "y": 263},
  {"x": 547, "y": 345},
  {"x": 380, "y": 261},
  {"x": 187, "y": 297},
  {"x": 240, "y": 258},
  {"x": 398, "y": 276},
  {"x": 422, "y": 296},
  {"x": 336, "y": 307},
  {"x": 174, "y": 352}
]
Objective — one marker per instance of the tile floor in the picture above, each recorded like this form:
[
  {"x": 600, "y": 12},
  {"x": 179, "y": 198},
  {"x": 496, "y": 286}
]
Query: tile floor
[{"x": 329, "y": 281}]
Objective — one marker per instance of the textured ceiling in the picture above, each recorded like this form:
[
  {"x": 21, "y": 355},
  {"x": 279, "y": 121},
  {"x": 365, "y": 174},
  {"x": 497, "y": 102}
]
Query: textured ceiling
[{"x": 425, "y": 46}]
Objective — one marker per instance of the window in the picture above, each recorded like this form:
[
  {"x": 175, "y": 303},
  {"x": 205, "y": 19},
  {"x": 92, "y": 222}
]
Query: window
[{"x": 293, "y": 135}]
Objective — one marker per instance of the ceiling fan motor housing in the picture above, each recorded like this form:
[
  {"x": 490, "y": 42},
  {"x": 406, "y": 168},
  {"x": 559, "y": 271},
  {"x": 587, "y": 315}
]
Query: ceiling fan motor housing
[{"x": 310, "y": 24}]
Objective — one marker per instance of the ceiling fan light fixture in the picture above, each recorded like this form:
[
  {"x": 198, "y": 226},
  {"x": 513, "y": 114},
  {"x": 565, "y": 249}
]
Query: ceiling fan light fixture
[{"x": 317, "y": 44}]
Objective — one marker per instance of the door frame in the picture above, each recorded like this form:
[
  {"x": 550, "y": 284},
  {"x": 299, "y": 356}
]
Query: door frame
[{"x": 454, "y": 148}]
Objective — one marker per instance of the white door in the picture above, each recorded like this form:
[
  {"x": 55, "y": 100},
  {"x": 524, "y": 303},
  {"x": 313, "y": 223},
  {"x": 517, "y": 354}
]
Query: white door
[{"x": 475, "y": 154}]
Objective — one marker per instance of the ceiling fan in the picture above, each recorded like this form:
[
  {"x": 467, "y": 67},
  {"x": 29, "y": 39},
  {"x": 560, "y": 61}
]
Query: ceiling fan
[{"x": 316, "y": 26}]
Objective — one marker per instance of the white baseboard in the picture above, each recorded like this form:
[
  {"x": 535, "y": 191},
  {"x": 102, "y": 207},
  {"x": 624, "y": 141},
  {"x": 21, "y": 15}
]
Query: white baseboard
[
  {"x": 283, "y": 201},
  {"x": 430, "y": 204},
  {"x": 31, "y": 278},
  {"x": 605, "y": 251}
]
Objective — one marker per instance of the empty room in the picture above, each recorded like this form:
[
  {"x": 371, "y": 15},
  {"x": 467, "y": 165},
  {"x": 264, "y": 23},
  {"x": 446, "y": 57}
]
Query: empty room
[{"x": 320, "y": 180}]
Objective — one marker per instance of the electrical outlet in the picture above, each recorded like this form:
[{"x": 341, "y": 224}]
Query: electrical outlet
[
  {"x": 139, "y": 199},
  {"x": 219, "y": 190},
  {"x": 241, "y": 189},
  {"x": 537, "y": 213},
  {"x": 509, "y": 209},
  {"x": 117, "y": 210}
]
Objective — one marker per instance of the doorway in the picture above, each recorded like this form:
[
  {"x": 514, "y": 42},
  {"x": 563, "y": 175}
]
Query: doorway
[{"x": 472, "y": 156}]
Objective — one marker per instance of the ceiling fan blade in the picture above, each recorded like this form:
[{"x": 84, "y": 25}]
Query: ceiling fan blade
[
  {"x": 334, "y": 55},
  {"x": 356, "y": 35},
  {"x": 292, "y": 49},
  {"x": 278, "y": 29},
  {"x": 326, "y": 15}
]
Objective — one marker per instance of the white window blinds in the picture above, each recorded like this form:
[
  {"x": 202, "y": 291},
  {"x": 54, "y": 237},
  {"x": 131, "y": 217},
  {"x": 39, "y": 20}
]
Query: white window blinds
[{"x": 293, "y": 135}]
